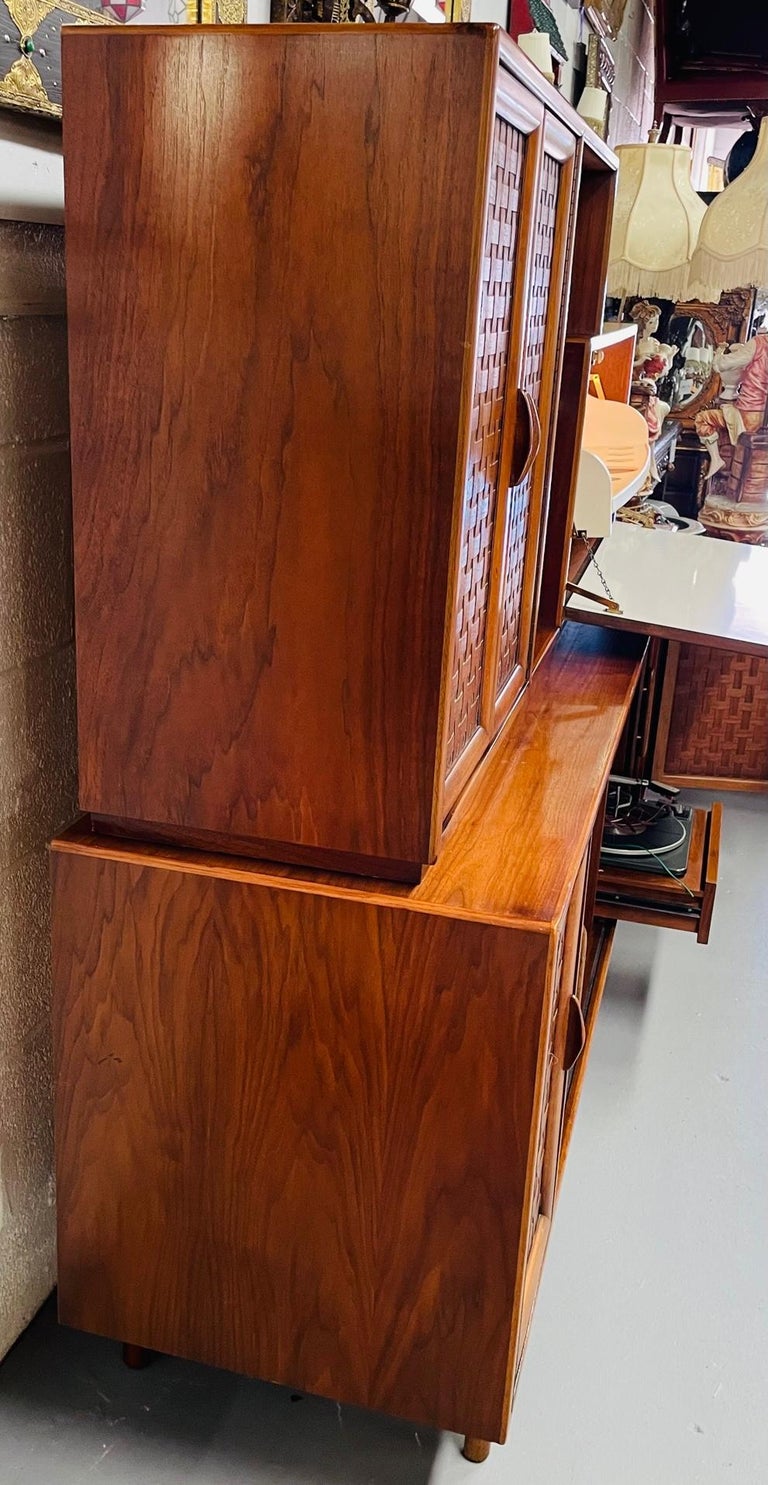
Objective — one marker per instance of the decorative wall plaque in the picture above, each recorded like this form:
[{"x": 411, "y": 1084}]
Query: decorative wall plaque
[{"x": 30, "y": 39}]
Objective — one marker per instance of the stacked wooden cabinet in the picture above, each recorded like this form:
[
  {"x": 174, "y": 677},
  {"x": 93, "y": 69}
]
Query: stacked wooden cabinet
[{"x": 324, "y": 948}]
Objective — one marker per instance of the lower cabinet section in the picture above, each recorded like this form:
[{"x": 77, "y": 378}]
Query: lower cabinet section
[
  {"x": 307, "y": 1133},
  {"x": 310, "y": 1127}
]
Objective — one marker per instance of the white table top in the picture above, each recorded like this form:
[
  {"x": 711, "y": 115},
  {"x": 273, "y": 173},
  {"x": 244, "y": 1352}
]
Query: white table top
[{"x": 678, "y": 586}]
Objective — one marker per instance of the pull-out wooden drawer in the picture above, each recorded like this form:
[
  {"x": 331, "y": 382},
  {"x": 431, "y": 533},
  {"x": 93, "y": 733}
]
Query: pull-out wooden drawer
[{"x": 666, "y": 901}]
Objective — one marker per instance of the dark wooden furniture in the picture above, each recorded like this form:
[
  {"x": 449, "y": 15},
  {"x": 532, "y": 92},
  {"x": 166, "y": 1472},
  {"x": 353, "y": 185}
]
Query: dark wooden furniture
[
  {"x": 710, "y": 63},
  {"x": 685, "y": 486},
  {"x": 726, "y": 322},
  {"x": 665, "y": 453},
  {"x": 311, "y": 1124}
]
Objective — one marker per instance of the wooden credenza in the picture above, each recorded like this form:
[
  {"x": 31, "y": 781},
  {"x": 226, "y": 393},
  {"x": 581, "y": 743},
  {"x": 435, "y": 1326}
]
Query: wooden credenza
[{"x": 329, "y": 940}]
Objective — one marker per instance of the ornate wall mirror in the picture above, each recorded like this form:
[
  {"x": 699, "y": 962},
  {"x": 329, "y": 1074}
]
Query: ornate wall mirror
[{"x": 697, "y": 329}]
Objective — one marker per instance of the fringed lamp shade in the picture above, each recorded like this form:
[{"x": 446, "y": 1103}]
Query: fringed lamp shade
[
  {"x": 733, "y": 242},
  {"x": 656, "y": 222}
]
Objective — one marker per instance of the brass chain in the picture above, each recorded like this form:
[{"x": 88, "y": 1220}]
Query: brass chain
[{"x": 598, "y": 570}]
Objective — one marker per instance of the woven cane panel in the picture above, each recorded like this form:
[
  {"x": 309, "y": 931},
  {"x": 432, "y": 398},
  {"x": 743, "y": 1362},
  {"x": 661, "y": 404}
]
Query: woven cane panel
[
  {"x": 538, "y": 1175},
  {"x": 482, "y": 479},
  {"x": 719, "y": 726},
  {"x": 533, "y": 362}
]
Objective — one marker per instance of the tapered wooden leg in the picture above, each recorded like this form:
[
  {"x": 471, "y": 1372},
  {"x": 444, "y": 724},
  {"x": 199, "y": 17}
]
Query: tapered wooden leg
[
  {"x": 136, "y": 1356},
  {"x": 475, "y": 1450}
]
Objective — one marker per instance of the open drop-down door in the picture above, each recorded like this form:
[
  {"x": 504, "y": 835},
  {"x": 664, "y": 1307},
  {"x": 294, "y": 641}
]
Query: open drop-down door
[
  {"x": 675, "y": 586},
  {"x": 697, "y": 590}
]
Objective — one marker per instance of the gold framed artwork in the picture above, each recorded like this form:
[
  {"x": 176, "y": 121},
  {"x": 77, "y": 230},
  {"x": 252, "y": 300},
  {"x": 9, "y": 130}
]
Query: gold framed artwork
[
  {"x": 30, "y": 39},
  {"x": 606, "y": 16}
]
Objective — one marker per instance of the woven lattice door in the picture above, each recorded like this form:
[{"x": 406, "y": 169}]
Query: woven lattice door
[
  {"x": 713, "y": 725},
  {"x": 565, "y": 990},
  {"x": 515, "y": 148},
  {"x": 532, "y": 406},
  {"x": 562, "y": 1035}
]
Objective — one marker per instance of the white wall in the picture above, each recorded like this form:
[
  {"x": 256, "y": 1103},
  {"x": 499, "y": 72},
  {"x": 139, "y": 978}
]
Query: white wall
[{"x": 31, "y": 172}]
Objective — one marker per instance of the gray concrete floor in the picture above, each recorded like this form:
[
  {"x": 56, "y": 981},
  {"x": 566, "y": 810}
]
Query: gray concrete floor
[{"x": 648, "y": 1361}]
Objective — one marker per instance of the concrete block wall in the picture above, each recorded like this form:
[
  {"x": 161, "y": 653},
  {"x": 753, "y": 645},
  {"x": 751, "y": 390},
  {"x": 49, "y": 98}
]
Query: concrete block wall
[
  {"x": 632, "y": 98},
  {"x": 632, "y": 110},
  {"x": 37, "y": 739}
]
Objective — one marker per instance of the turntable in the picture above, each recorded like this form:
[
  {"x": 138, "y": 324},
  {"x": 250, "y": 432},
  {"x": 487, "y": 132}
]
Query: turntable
[{"x": 645, "y": 829}]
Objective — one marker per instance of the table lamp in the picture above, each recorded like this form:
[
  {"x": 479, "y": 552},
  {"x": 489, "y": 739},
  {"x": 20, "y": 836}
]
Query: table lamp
[
  {"x": 656, "y": 222},
  {"x": 732, "y": 250}
]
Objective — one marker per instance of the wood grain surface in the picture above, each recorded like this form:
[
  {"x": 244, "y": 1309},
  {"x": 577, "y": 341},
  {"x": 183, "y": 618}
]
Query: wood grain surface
[
  {"x": 268, "y": 315},
  {"x": 594, "y": 216},
  {"x": 513, "y": 848},
  {"x": 294, "y": 1133}
]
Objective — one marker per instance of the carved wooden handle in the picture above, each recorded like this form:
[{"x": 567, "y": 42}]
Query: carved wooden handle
[
  {"x": 527, "y": 436},
  {"x": 576, "y": 1033}
]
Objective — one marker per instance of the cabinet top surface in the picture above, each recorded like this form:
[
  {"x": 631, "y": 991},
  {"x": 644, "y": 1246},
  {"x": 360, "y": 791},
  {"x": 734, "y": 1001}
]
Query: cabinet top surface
[
  {"x": 509, "y": 54},
  {"x": 677, "y": 586},
  {"x": 513, "y": 848}
]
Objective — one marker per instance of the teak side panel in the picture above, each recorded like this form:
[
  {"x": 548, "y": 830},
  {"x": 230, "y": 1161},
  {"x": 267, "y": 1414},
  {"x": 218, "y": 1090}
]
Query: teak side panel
[
  {"x": 265, "y": 422},
  {"x": 597, "y": 196},
  {"x": 513, "y": 847},
  {"x": 293, "y": 1133}
]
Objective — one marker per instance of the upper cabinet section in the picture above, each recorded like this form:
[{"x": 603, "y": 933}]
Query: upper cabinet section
[{"x": 315, "y": 283}]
